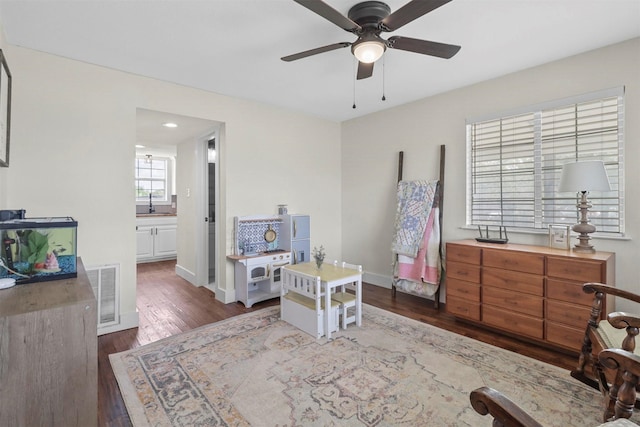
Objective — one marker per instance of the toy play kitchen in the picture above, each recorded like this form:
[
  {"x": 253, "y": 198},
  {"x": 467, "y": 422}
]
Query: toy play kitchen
[{"x": 258, "y": 258}]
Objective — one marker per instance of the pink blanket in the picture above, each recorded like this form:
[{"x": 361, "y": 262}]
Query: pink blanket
[{"x": 425, "y": 267}]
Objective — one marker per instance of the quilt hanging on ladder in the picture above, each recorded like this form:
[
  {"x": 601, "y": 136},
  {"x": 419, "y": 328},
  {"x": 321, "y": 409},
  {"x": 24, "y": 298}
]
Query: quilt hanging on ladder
[{"x": 416, "y": 239}]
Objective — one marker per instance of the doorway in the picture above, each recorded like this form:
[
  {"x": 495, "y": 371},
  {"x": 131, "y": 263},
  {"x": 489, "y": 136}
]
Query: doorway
[
  {"x": 204, "y": 232},
  {"x": 211, "y": 196},
  {"x": 190, "y": 187}
]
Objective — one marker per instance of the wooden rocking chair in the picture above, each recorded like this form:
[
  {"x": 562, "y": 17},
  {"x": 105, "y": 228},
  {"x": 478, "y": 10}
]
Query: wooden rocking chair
[
  {"x": 506, "y": 413},
  {"x": 617, "y": 331}
]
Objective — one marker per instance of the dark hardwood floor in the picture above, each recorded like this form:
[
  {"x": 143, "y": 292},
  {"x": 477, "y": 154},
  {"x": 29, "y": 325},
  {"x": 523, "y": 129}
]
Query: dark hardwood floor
[{"x": 168, "y": 305}]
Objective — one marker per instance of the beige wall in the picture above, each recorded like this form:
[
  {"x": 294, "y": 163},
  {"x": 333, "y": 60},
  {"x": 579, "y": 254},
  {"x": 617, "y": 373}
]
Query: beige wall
[
  {"x": 187, "y": 208},
  {"x": 3, "y": 171},
  {"x": 73, "y": 145},
  {"x": 370, "y": 147},
  {"x": 73, "y": 137}
]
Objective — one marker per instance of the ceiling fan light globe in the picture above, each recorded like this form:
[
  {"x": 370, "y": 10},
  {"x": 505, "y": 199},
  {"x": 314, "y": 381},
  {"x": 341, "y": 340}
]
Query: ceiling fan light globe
[{"x": 369, "y": 51}]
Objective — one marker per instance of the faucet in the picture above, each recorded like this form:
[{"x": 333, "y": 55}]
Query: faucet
[{"x": 151, "y": 208}]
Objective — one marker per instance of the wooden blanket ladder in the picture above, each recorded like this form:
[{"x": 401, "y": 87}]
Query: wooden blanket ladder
[{"x": 440, "y": 204}]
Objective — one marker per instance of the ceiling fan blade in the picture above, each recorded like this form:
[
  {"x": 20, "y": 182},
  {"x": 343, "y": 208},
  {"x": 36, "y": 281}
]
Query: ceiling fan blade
[
  {"x": 410, "y": 11},
  {"x": 330, "y": 14},
  {"x": 424, "y": 47},
  {"x": 315, "y": 51},
  {"x": 364, "y": 70}
]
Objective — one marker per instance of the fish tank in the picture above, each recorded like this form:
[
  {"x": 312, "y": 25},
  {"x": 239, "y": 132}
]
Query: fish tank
[{"x": 38, "y": 249}]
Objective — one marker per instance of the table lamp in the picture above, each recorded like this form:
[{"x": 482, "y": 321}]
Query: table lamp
[{"x": 583, "y": 177}]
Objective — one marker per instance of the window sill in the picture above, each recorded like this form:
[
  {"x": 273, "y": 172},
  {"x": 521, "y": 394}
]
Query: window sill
[{"x": 596, "y": 235}]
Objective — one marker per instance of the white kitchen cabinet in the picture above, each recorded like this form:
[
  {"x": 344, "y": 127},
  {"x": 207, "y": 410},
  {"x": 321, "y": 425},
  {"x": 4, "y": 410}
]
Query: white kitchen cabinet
[
  {"x": 144, "y": 242},
  {"x": 156, "y": 238}
]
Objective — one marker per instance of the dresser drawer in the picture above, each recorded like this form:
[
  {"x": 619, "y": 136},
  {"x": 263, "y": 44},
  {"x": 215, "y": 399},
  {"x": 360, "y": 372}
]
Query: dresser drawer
[
  {"x": 513, "y": 280},
  {"x": 520, "y": 324},
  {"x": 568, "y": 291},
  {"x": 575, "y": 269},
  {"x": 462, "y": 289},
  {"x": 513, "y": 301},
  {"x": 461, "y": 271},
  {"x": 463, "y": 308},
  {"x": 463, "y": 253},
  {"x": 568, "y": 314},
  {"x": 564, "y": 336},
  {"x": 511, "y": 260}
]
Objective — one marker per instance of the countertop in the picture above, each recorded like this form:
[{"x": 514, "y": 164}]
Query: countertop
[
  {"x": 150, "y": 215},
  {"x": 259, "y": 254}
]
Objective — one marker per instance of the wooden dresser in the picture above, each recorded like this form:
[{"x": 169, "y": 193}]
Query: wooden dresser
[
  {"x": 49, "y": 354},
  {"x": 533, "y": 292}
]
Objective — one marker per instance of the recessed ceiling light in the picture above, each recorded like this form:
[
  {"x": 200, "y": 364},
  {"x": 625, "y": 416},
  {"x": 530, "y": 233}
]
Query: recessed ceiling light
[
  {"x": 170, "y": 125},
  {"x": 139, "y": 146}
]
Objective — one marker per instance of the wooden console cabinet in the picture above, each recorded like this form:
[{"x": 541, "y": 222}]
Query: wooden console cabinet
[
  {"x": 49, "y": 354},
  {"x": 529, "y": 291}
]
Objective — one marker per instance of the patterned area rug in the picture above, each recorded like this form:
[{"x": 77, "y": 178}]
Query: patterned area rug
[{"x": 256, "y": 370}]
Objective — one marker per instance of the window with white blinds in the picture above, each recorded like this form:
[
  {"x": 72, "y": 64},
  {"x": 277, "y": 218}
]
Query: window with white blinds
[{"x": 514, "y": 163}]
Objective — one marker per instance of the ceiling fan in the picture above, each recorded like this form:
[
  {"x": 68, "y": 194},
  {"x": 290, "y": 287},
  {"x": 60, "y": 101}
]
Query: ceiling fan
[{"x": 367, "y": 20}]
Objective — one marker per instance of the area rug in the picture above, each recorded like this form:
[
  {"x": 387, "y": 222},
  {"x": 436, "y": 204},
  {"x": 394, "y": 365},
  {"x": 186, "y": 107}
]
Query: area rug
[{"x": 256, "y": 370}]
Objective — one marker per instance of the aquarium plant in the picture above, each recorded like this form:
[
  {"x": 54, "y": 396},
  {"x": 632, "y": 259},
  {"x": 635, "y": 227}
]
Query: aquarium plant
[{"x": 34, "y": 248}]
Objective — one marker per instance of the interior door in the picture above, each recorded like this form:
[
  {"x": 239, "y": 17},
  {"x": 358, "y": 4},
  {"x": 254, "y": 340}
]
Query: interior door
[{"x": 206, "y": 260}]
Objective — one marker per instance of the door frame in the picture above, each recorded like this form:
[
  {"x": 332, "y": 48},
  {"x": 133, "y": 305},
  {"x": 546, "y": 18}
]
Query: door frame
[{"x": 202, "y": 211}]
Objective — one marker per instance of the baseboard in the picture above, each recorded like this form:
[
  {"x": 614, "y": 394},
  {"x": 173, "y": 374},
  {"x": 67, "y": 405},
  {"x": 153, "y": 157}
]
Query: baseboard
[
  {"x": 187, "y": 275},
  {"x": 155, "y": 259},
  {"x": 386, "y": 281},
  {"x": 377, "y": 279},
  {"x": 222, "y": 295},
  {"x": 126, "y": 321}
]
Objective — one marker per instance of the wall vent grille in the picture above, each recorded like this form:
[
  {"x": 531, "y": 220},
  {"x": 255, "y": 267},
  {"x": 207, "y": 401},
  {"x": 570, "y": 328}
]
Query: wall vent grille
[{"x": 105, "y": 283}]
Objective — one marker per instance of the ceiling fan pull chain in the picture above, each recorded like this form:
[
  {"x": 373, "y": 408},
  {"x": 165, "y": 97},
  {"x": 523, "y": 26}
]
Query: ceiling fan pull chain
[
  {"x": 384, "y": 98},
  {"x": 354, "y": 84}
]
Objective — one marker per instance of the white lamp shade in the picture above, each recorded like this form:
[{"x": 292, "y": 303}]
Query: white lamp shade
[
  {"x": 584, "y": 176},
  {"x": 368, "y": 51}
]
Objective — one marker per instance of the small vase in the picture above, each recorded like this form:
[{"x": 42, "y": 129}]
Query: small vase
[{"x": 319, "y": 263}]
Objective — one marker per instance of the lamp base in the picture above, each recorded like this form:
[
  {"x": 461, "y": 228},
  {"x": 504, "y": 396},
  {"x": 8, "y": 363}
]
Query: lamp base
[
  {"x": 584, "y": 248},
  {"x": 583, "y": 228}
]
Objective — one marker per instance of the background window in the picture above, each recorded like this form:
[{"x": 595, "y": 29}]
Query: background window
[
  {"x": 514, "y": 163},
  {"x": 152, "y": 177}
]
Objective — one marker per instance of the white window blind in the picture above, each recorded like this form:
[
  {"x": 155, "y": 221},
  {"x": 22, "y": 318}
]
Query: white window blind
[{"x": 514, "y": 163}]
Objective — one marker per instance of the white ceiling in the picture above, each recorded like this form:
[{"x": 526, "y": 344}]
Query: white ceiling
[
  {"x": 233, "y": 47},
  {"x": 151, "y": 133}
]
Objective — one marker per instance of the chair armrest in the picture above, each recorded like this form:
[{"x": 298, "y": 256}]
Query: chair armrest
[
  {"x": 629, "y": 322},
  {"x": 590, "y": 288},
  {"x": 621, "y": 320},
  {"x": 617, "y": 358},
  {"x": 505, "y": 413}
]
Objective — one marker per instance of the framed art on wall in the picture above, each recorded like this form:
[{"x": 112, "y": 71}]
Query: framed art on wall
[
  {"x": 5, "y": 110},
  {"x": 559, "y": 236}
]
